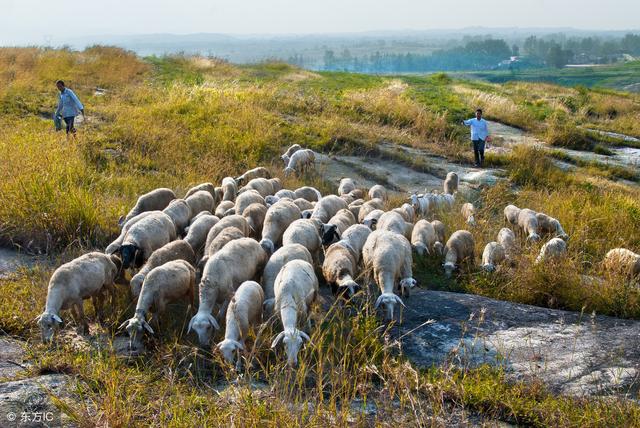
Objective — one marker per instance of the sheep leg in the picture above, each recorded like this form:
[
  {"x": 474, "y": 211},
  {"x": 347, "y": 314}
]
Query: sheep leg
[
  {"x": 98, "y": 305},
  {"x": 77, "y": 311}
]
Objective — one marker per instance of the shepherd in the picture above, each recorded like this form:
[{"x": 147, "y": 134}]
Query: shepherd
[
  {"x": 69, "y": 106},
  {"x": 479, "y": 135}
]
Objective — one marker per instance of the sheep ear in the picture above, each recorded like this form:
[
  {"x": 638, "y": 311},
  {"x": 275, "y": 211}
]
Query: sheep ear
[
  {"x": 147, "y": 327},
  {"x": 213, "y": 322},
  {"x": 57, "y": 318},
  {"x": 277, "y": 339}
]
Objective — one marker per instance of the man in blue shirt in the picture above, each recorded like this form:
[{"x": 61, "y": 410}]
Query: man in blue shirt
[
  {"x": 479, "y": 134},
  {"x": 69, "y": 106}
]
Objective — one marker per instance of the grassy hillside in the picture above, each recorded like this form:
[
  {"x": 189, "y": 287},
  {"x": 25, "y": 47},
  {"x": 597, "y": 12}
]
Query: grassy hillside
[{"x": 179, "y": 121}]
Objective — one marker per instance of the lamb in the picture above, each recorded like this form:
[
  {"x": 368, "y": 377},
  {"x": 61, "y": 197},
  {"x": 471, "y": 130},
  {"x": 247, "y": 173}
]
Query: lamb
[
  {"x": 622, "y": 261},
  {"x": 296, "y": 290},
  {"x": 441, "y": 202},
  {"x": 343, "y": 219},
  {"x": 342, "y": 258},
  {"x": 286, "y": 193},
  {"x": 174, "y": 250},
  {"x": 468, "y": 211},
  {"x": 225, "y": 208},
  {"x": 459, "y": 248},
  {"x": 450, "y": 185},
  {"x": 306, "y": 233},
  {"x": 144, "y": 237},
  {"x": 327, "y": 207},
  {"x": 346, "y": 186},
  {"x": 291, "y": 150},
  {"x": 492, "y": 256},
  {"x": 511, "y": 213},
  {"x": 367, "y": 207},
  {"x": 259, "y": 172},
  {"x": 255, "y": 215},
  {"x": 278, "y": 218},
  {"x": 553, "y": 249},
  {"x": 407, "y": 212},
  {"x": 371, "y": 220},
  {"x": 421, "y": 204},
  {"x": 198, "y": 230},
  {"x": 247, "y": 198},
  {"x": 394, "y": 222},
  {"x": 528, "y": 224},
  {"x": 230, "y": 221},
  {"x": 244, "y": 311},
  {"x": 263, "y": 186},
  {"x": 155, "y": 200},
  {"x": 378, "y": 192},
  {"x": 209, "y": 187},
  {"x": 423, "y": 237},
  {"x": 303, "y": 204},
  {"x": 550, "y": 226},
  {"x": 388, "y": 256},
  {"x": 180, "y": 213},
  {"x": 88, "y": 276},
  {"x": 300, "y": 161},
  {"x": 281, "y": 257},
  {"x": 200, "y": 201},
  {"x": 309, "y": 193},
  {"x": 238, "y": 261},
  {"x": 229, "y": 188},
  {"x": 169, "y": 282},
  {"x": 507, "y": 239}
]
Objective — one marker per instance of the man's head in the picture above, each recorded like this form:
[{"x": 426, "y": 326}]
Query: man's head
[
  {"x": 479, "y": 114},
  {"x": 60, "y": 85}
]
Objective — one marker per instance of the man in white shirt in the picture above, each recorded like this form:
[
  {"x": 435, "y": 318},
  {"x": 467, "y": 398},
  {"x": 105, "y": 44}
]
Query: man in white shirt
[
  {"x": 69, "y": 106},
  {"x": 479, "y": 134}
]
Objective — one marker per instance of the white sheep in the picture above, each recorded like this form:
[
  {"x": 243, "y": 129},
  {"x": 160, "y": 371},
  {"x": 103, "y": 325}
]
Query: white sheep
[
  {"x": 348, "y": 198},
  {"x": 553, "y": 249},
  {"x": 234, "y": 220},
  {"x": 263, "y": 186},
  {"x": 441, "y": 231},
  {"x": 303, "y": 204},
  {"x": 278, "y": 218},
  {"x": 88, "y": 276},
  {"x": 115, "y": 244},
  {"x": 421, "y": 204},
  {"x": 356, "y": 236},
  {"x": 238, "y": 261},
  {"x": 209, "y": 187},
  {"x": 247, "y": 198},
  {"x": 309, "y": 193},
  {"x": 459, "y": 248},
  {"x": 200, "y": 201},
  {"x": 144, "y": 237},
  {"x": 229, "y": 188},
  {"x": 286, "y": 193},
  {"x": 450, "y": 185},
  {"x": 368, "y": 207},
  {"x": 327, "y": 207},
  {"x": 306, "y": 233},
  {"x": 296, "y": 290},
  {"x": 167, "y": 283},
  {"x": 174, "y": 250},
  {"x": 285, "y": 254},
  {"x": 180, "y": 213},
  {"x": 528, "y": 224},
  {"x": 550, "y": 226},
  {"x": 198, "y": 231},
  {"x": 622, "y": 261},
  {"x": 407, "y": 212},
  {"x": 196, "y": 217},
  {"x": 291, "y": 150},
  {"x": 155, "y": 200},
  {"x": 371, "y": 220},
  {"x": 423, "y": 237},
  {"x": 341, "y": 259},
  {"x": 346, "y": 186},
  {"x": 357, "y": 194},
  {"x": 355, "y": 206},
  {"x": 507, "y": 239},
  {"x": 255, "y": 215},
  {"x": 244, "y": 311},
  {"x": 492, "y": 256},
  {"x": 511, "y": 213},
  {"x": 388, "y": 256},
  {"x": 300, "y": 161},
  {"x": 378, "y": 192},
  {"x": 394, "y": 222},
  {"x": 218, "y": 194},
  {"x": 228, "y": 234},
  {"x": 343, "y": 219},
  {"x": 225, "y": 208},
  {"x": 468, "y": 213},
  {"x": 258, "y": 172}
]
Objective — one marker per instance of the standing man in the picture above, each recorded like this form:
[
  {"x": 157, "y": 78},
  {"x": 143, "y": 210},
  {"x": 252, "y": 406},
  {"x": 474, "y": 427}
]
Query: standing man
[
  {"x": 479, "y": 135},
  {"x": 69, "y": 106}
]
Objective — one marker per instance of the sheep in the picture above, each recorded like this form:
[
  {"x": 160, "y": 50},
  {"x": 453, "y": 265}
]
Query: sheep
[
  {"x": 287, "y": 155},
  {"x": 174, "y": 250},
  {"x": 209, "y": 187},
  {"x": 511, "y": 213},
  {"x": 218, "y": 194},
  {"x": 357, "y": 193},
  {"x": 198, "y": 231},
  {"x": 200, "y": 201},
  {"x": 492, "y": 256},
  {"x": 507, "y": 239},
  {"x": 303, "y": 204},
  {"x": 423, "y": 237},
  {"x": 346, "y": 186},
  {"x": 306, "y": 214},
  {"x": 421, "y": 204},
  {"x": 259, "y": 172},
  {"x": 88, "y": 276},
  {"x": 459, "y": 248},
  {"x": 347, "y": 198},
  {"x": 528, "y": 224},
  {"x": 468, "y": 211},
  {"x": 286, "y": 193},
  {"x": 343, "y": 219},
  {"x": 225, "y": 208},
  {"x": 240, "y": 260},
  {"x": 247, "y": 198},
  {"x": 230, "y": 221},
  {"x": 367, "y": 207},
  {"x": 296, "y": 290},
  {"x": 263, "y": 186},
  {"x": 300, "y": 161},
  {"x": 441, "y": 230},
  {"x": 371, "y": 220},
  {"x": 144, "y": 237},
  {"x": 550, "y": 226},
  {"x": 155, "y": 200},
  {"x": 116, "y": 243},
  {"x": 407, "y": 212},
  {"x": 244, "y": 311},
  {"x": 622, "y": 261},
  {"x": 450, "y": 185},
  {"x": 229, "y": 188},
  {"x": 196, "y": 217},
  {"x": 309, "y": 193},
  {"x": 553, "y": 249},
  {"x": 306, "y": 233},
  {"x": 439, "y": 202},
  {"x": 180, "y": 213},
  {"x": 342, "y": 258},
  {"x": 394, "y": 222},
  {"x": 378, "y": 192},
  {"x": 167, "y": 283},
  {"x": 388, "y": 256},
  {"x": 255, "y": 215},
  {"x": 278, "y": 218},
  {"x": 355, "y": 206},
  {"x": 356, "y": 236},
  {"x": 327, "y": 207},
  {"x": 278, "y": 259}
]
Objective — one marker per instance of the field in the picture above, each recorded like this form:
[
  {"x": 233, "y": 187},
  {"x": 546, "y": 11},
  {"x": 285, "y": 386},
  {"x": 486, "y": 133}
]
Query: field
[{"x": 178, "y": 121}]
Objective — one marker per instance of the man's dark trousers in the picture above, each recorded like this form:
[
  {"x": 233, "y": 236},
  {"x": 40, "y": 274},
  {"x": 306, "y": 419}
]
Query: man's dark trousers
[{"x": 478, "y": 151}]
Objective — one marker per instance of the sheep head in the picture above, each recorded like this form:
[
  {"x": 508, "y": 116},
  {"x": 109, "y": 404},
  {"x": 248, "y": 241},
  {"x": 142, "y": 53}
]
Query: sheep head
[
  {"x": 533, "y": 237},
  {"x": 285, "y": 159},
  {"x": 307, "y": 214},
  {"x": 421, "y": 249},
  {"x": 135, "y": 328},
  {"x": 407, "y": 283},
  {"x": 489, "y": 267},
  {"x": 228, "y": 348},
  {"x": 128, "y": 252},
  {"x": 288, "y": 171},
  {"x": 49, "y": 324},
  {"x": 371, "y": 223},
  {"x": 292, "y": 340},
  {"x": 351, "y": 286},
  {"x": 389, "y": 301},
  {"x": 267, "y": 246},
  {"x": 203, "y": 324},
  {"x": 449, "y": 267},
  {"x": 329, "y": 233}
]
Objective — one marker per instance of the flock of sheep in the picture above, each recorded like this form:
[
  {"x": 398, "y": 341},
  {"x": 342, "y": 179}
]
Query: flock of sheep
[{"x": 251, "y": 229}]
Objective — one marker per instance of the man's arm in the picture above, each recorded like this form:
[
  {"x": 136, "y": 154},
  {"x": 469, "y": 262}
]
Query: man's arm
[
  {"x": 466, "y": 122},
  {"x": 59, "y": 109},
  {"x": 75, "y": 99}
]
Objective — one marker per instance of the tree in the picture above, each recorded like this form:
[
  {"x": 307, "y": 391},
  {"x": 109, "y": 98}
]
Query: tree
[{"x": 557, "y": 57}]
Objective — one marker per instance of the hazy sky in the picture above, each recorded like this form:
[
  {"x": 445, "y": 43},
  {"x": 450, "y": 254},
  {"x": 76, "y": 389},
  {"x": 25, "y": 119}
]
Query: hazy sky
[{"x": 37, "y": 21}]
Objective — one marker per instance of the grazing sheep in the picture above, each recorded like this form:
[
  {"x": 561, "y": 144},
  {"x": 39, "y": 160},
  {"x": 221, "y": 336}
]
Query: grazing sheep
[
  {"x": 174, "y": 250},
  {"x": 394, "y": 222},
  {"x": 229, "y": 188},
  {"x": 553, "y": 249},
  {"x": 263, "y": 186},
  {"x": 223, "y": 238},
  {"x": 378, "y": 192},
  {"x": 507, "y": 239},
  {"x": 286, "y": 193},
  {"x": 299, "y": 161},
  {"x": 346, "y": 186},
  {"x": 116, "y": 243},
  {"x": 144, "y": 237},
  {"x": 492, "y": 256},
  {"x": 196, "y": 217},
  {"x": 443, "y": 202},
  {"x": 356, "y": 236},
  {"x": 255, "y": 215},
  {"x": 371, "y": 220},
  {"x": 468, "y": 211},
  {"x": 528, "y": 224},
  {"x": 198, "y": 231},
  {"x": 278, "y": 218},
  {"x": 247, "y": 198},
  {"x": 303, "y": 204},
  {"x": 343, "y": 219},
  {"x": 296, "y": 290},
  {"x": 306, "y": 233},
  {"x": 180, "y": 213},
  {"x": 459, "y": 248},
  {"x": 421, "y": 204},
  {"x": 407, "y": 212},
  {"x": 291, "y": 150},
  {"x": 622, "y": 261},
  {"x": 306, "y": 214},
  {"x": 244, "y": 311},
  {"x": 225, "y": 208},
  {"x": 388, "y": 256},
  {"x": 234, "y": 220},
  {"x": 368, "y": 207},
  {"x": 155, "y": 200},
  {"x": 341, "y": 259},
  {"x": 309, "y": 193},
  {"x": 327, "y": 207},
  {"x": 238, "y": 261},
  {"x": 200, "y": 201},
  {"x": 550, "y": 226},
  {"x": 348, "y": 198},
  {"x": 355, "y": 206},
  {"x": 208, "y": 187},
  {"x": 259, "y": 172},
  {"x": 278, "y": 259},
  {"x": 511, "y": 213},
  {"x": 218, "y": 194},
  {"x": 88, "y": 276},
  {"x": 441, "y": 230},
  {"x": 167, "y": 283},
  {"x": 357, "y": 193},
  {"x": 423, "y": 237},
  {"x": 450, "y": 185}
]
